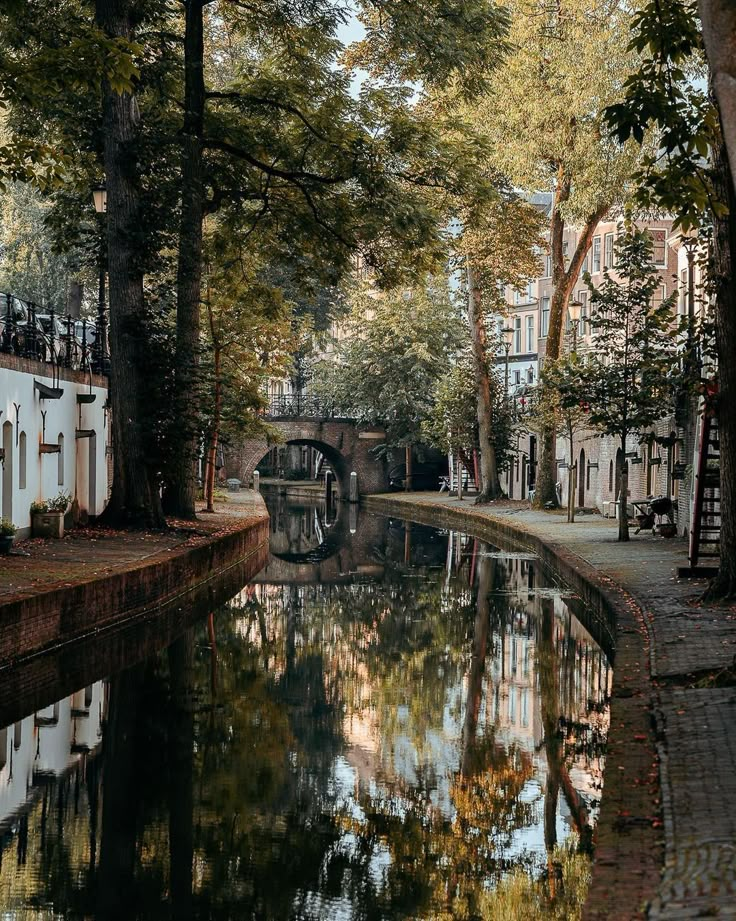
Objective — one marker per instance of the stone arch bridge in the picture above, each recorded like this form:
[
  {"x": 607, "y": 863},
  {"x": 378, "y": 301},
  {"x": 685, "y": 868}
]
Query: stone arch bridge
[{"x": 346, "y": 445}]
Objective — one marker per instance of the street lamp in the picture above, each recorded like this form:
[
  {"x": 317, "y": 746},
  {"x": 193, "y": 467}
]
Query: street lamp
[
  {"x": 101, "y": 362},
  {"x": 573, "y": 310},
  {"x": 508, "y": 334}
]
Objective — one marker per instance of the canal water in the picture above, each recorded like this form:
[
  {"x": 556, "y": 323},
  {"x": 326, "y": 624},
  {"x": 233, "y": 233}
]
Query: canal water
[{"x": 391, "y": 721}]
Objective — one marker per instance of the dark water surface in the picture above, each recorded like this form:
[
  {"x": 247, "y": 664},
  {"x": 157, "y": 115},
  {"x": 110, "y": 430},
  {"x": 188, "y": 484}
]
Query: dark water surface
[{"x": 391, "y": 721}]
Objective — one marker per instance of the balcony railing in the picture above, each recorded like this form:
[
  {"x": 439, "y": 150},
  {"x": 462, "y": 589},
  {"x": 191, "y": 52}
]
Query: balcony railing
[{"x": 40, "y": 334}]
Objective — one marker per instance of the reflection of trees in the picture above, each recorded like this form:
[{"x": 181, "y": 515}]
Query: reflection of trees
[
  {"x": 236, "y": 786},
  {"x": 263, "y": 813},
  {"x": 180, "y": 788},
  {"x": 121, "y": 797},
  {"x": 554, "y": 666},
  {"x": 520, "y": 897}
]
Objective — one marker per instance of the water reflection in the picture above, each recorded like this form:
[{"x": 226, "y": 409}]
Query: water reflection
[{"x": 412, "y": 727}]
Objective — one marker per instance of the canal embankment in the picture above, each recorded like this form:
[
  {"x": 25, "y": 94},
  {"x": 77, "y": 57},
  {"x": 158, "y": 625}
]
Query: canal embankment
[
  {"x": 665, "y": 838},
  {"x": 55, "y": 594}
]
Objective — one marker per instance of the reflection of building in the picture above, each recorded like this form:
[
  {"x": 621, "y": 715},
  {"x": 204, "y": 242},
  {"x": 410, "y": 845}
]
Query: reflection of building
[
  {"x": 512, "y": 698},
  {"x": 47, "y": 744}
]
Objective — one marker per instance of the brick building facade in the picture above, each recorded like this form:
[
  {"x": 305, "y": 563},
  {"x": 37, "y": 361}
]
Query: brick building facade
[{"x": 656, "y": 470}]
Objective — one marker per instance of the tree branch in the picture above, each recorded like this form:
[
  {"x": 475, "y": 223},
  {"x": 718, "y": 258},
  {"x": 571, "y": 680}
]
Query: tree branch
[
  {"x": 272, "y": 103},
  {"x": 288, "y": 175}
]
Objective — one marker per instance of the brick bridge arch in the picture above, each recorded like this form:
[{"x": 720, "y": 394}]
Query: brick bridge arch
[{"x": 347, "y": 446}]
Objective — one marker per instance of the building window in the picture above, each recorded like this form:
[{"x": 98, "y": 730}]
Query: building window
[
  {"x": 60, "y": 455},
  {"x": 545, "y": 317},
  {"x": 608, "y": 251},
  {"x": 22, "y": 461},
  {"x": 530, "y": 375},
  {"x": 659, "y": 243},
  {"x": 517, "y": 377},
  {"x": 586, "y": 263},
  {"x": 548, "y": 266},
  {"x": 660, "y": 296},
  {"x": 596, "y": 254},
  {"x": 517, "y": 335},
  {"x": 530, "y": 333}
]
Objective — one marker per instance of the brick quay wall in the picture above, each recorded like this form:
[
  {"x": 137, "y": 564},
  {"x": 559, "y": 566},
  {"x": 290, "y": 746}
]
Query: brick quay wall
[{"x": 191, "y": 574}]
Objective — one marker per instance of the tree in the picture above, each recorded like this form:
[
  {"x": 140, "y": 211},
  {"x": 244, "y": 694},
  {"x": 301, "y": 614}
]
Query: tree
[
  {"x": 547, "y": 410},
  {"x": 135, "y": 496},
  {"x": 691, "y": 174},
  {"x": 544, "y": 116},
  {"x": 452, "y": 424},
  {"x": 500, "y": 243},
  {"x": 58, "y": 60},
  {"x": 628, "y": 378},
  {"x": 346, "y": 173},
  {"x": 249, "y": 337},
  {"x": 263, "y": 130},
  {"x": 396, "y": 347}
]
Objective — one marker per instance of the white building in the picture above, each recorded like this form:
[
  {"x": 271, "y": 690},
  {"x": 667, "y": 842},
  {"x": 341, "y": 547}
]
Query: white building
[{"x": 54, "y": 436}]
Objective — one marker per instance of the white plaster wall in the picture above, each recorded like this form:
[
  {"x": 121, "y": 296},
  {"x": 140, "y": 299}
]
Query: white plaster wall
[{"x": 63, "y": 417}]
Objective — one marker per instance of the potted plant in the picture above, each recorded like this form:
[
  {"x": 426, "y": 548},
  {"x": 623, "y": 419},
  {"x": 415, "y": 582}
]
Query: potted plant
[
  {"x": 7, "y": 535},
  {"x": 47, "y": 516}
]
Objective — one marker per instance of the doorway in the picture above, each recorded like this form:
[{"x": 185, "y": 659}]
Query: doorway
[
  {"x": 581, "y": 479},
  {"x": 92, "y": 477},
  {"x": 523, "y": 478},
  {"x": 7, "y": 507}
]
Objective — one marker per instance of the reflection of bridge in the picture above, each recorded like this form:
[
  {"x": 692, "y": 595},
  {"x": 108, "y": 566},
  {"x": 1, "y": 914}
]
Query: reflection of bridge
[
  {"x": 346, "y": 445},
  {"x": 351, "y": 547}
]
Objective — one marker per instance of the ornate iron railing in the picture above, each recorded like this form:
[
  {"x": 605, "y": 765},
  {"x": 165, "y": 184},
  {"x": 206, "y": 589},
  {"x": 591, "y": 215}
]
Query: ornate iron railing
[
  {"x": 39, "y": 333},
  {"x": 300, "y": 404}
]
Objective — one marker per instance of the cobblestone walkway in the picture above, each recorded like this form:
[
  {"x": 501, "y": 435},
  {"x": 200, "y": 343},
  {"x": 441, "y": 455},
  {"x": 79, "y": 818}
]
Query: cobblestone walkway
[{"x": 691, "y": 647}]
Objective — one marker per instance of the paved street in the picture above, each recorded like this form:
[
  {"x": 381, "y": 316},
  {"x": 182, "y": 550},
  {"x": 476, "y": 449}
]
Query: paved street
[{"x": 691, "y": 699}]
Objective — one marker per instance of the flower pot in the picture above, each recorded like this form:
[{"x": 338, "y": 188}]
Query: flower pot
[
  {"x": 48, "y": 524},
  {"x": 6, "y": 542},
  {"x": 668, "y": 530}
]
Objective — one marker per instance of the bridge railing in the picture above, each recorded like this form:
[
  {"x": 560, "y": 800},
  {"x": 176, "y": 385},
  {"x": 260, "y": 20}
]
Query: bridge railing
[{"x": 299, "y": 404}]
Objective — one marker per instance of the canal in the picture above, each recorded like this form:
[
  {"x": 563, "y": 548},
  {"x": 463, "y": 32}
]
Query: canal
[{"x": 391, "y": 721}]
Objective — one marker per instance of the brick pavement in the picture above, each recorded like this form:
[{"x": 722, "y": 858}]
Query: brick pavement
[{"x": 672, "y": 653}]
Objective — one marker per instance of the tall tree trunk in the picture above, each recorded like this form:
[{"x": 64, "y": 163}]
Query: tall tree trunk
[
  {"x": 724, "y": 258},
  {"x": 623, "y": 511},
  {"x": 209, "y": 479},
  {"x": 563, "y": 283},
  {"x": 489, "y": 486},
  {"x": 135, "y": 498},
  {"x": 718, "y": 19},
  {"x": 182, "y": 480}
]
